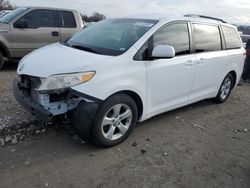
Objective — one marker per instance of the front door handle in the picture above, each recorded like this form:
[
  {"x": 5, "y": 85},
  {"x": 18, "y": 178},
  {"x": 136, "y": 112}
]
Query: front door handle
[
  {"x": 201, "y": 61},
  {"x": 55, "y": 33}
]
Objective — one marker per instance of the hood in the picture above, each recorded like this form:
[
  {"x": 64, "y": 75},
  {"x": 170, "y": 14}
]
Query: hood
[
  {"x": 4, "y": 28},
  {"x": 57, "y": 59}
]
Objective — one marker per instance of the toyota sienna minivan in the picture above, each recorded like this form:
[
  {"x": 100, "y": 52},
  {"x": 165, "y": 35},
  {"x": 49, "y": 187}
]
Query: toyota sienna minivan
[{"x": 122, "y": 71}]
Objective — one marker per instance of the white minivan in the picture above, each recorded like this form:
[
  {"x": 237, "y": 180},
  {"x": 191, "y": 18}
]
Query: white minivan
[{"x": 120, "y": 71}]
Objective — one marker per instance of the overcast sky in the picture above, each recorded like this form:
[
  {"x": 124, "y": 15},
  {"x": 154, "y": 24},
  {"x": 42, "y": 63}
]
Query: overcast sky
[{"x": 231, "y": 10}]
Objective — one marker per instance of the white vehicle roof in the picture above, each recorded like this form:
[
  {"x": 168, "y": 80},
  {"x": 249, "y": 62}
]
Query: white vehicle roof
[
  {"x": 49, "y": 8},
  {"x": 173, "y": 17}
]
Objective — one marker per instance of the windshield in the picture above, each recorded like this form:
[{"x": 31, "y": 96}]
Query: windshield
[
  {"x": 111, "y": 37},
  {"x": 2, "y": 13},
  {"x": 7, "y": 18}
]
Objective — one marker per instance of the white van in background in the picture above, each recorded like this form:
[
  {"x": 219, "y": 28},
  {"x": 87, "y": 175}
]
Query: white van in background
[{"x": 120, "y": 71}]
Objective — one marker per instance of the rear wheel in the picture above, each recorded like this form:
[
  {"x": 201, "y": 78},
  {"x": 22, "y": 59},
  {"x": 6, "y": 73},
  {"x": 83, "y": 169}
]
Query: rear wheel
[
  {"x": 225, "y": 89},
  {"x": 1, "y": 61},
  {"x": 114, "y": 121}
]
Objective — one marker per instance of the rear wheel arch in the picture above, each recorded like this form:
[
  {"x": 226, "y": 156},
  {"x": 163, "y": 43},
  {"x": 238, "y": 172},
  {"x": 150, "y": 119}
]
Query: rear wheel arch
[
  {"x": 226, "y": 87},
  {"x": 234, "y": 74}
]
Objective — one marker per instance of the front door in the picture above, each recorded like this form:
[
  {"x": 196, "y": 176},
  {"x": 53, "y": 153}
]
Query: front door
[
  {"x": 169, "y": 81},
  {"x": 42, "y": 28}
]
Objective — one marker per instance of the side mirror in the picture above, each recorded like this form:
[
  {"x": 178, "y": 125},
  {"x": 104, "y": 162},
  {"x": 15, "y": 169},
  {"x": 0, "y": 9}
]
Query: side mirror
[
  {"x": 163, "y": 51},
  {"x": 21, "y": 24}
]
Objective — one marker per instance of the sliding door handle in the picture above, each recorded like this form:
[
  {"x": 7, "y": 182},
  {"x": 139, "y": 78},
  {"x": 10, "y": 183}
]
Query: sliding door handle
[{"x": 189, "y": 63}]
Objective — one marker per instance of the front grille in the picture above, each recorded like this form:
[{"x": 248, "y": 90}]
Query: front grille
[
  {"x": 29, "y": 86},
  {"x": 29, "y": 83},
  {"x": 58, "y": 96}
]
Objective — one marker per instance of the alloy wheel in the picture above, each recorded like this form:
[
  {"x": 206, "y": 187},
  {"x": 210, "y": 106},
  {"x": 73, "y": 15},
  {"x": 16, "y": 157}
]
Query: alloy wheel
[
  {"x": 226, "y": 88},
  {"x": 116, "y": 122}
]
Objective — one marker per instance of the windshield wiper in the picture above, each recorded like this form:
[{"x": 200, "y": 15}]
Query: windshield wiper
[
  {"x": 66, "y": 43},
  {"x": 87, "y": 49}
]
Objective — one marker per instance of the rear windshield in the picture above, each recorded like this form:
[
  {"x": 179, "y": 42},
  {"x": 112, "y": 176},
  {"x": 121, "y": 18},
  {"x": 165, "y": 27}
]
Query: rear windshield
[
  {"x": 12, "y": 15},
  {"x": 232, "y": 38},
  {"x": 68, "y": 19},
  {"x": 112, "y": 36}
]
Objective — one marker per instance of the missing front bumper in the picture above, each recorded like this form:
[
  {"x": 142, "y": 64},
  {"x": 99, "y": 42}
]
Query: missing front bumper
[{"x": 33, "y": 108}]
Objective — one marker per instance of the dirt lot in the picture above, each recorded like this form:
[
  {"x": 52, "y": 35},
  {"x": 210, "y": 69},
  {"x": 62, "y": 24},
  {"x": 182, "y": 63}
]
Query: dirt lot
[{"x": 203, "y": 145}]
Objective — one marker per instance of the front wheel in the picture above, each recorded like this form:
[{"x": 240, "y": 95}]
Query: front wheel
[
  {"x": 225, "y": 89},
  {"x": 114, "y": 121}
]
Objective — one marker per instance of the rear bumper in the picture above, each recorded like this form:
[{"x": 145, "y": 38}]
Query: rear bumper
[{"x": 33, "y": 108}]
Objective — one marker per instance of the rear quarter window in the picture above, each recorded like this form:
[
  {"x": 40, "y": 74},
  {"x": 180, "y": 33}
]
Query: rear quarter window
[
  {"x": 68, "y": 19},
  {"x": 232, "y": 38},
  {"x": 207, "y": 38}
]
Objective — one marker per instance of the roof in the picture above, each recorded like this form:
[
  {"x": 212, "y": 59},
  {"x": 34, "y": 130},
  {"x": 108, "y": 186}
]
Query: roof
[
  {"x": 174, "y": 17},
  {"x": 49, "y": 8}
]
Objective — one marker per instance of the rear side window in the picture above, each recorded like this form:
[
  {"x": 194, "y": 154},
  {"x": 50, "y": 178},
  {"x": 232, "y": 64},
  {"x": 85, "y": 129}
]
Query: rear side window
[
  {"x": 232, "y": 38},
  {"x": 68, "y": 19},
  {"x": 207, "y": 38},
  {"x": 41, "y": 18},
  {"x": 175, "y": 35}
]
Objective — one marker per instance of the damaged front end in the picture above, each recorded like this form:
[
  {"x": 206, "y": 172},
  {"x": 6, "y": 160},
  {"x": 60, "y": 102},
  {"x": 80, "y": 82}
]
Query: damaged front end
[{"x": 43, "y": 104}]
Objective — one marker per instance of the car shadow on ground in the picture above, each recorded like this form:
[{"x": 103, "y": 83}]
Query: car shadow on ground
[
  {"x": 9, "y": 66},
  {"x": 65, "y": 130}
]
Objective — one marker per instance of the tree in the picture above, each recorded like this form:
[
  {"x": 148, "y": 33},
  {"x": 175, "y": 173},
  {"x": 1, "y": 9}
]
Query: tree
[
  {"x": 5, "y": 5},
  {"x": 244, "y": 29},
  {"x": 95, "y": 17}
]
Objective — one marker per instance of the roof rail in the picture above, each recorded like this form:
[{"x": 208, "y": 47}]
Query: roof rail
[{"x": 207, "y": 17}]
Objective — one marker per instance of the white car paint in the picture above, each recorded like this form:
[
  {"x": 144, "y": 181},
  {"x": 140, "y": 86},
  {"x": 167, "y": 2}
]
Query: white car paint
[
  {"x": 51, "y": 60},
  {"x": 162, "y": 84}
]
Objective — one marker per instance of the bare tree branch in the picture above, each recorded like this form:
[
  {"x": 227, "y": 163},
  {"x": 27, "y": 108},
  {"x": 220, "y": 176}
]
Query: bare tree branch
[
  {"x": 95, "y": 17},
  {"x": 5, "y": 5}
]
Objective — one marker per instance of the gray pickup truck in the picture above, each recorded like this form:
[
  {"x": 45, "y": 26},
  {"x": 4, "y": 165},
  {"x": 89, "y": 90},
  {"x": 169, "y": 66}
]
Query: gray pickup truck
[{"x": 28, "y": 28}]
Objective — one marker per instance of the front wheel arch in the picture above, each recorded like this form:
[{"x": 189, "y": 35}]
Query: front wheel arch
[
  {"x": 98, "y": 136},
  {"x": 136, "y": 98}
]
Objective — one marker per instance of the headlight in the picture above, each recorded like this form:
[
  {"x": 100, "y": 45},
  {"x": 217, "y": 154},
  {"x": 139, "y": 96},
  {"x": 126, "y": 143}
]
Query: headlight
[{"x": 63, "y": 81}]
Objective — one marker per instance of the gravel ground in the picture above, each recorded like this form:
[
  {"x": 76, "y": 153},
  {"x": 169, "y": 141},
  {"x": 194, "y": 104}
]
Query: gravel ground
[
  {"x": 202, "y": 145},
  {"x": 15, "y": 124}
]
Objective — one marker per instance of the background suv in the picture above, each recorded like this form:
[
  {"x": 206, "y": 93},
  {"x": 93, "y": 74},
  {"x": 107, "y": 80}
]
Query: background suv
[{"x": 26, "y": 29}]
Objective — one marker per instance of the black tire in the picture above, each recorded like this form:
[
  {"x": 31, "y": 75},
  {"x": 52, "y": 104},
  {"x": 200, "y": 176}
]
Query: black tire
[
  {"x": 1, "y": 61},
  {"x": 98, "y": 136},
  {"x": 220, "y": 98}
]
